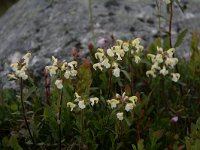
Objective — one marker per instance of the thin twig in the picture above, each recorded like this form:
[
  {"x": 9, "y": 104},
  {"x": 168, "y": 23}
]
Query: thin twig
[
  {"x": 24, "y": 111},
  {"x": 109, "y": 84},
  {"x": 59, "y": 118}
]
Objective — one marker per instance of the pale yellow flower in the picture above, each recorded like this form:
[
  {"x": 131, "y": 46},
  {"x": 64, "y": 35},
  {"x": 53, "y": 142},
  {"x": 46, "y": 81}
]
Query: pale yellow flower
[
  {"x": 71, "y": 105},
  {"x": 97, "y": 65},
  {"x": 106, "y": 63},
  {"x": 81, "y": 104},
  {"x": 52, "y": 70},
  {"x": 120, "y": 116},
  {"x": 129, "y": 106},
  {"x": 94, "y": 100},
  {"x": 133, "y": 99},
  {"x": 110, "y": 52},
  {"x": 175, "y": 77},
  {"x": 151, "y": 72},
  {"x": 164, "y": 71},
  {"x": 171, "y": 62},
  {"x": 137, "y": 59},
  {"x": 113, "y": 103},
  {"x": 58, "y": 84},
  {"x": 54, "y": 60}
]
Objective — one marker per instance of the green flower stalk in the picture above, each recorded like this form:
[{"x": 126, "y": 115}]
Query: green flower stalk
[
  {"x": 62, "y": 70},
  {"x": 20, "y": 73}
]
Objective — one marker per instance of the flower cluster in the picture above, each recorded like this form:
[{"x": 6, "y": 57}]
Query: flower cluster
[
  {"x": 163, "y": 63},
  {"x": 81, "y": 103},
  {"x": 20, "y": 68},
  {"x": 124, "y": 102},
  {"x": 111, "y": 57},
  {"x": 65, "y": 69}
]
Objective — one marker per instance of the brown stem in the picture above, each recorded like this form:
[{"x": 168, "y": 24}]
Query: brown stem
[
  {"x": 24, "y": 111},
  {"x": 59, "y": 118},
  {"x": 47, "y": 87},
  {"x": 132, "y": 83},
  {"x": 109, "y": 84},
  {"x": 162, "y": 96},
  {"x": 170, "y": 38},
  {"x": 82, "y": 128}
]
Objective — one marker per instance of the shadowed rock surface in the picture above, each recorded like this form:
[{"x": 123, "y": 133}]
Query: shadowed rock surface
[{"x": 54, "y": 27}]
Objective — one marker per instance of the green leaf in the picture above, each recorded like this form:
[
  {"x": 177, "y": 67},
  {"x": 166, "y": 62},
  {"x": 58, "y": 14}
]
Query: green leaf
[
  {"x": 180, "y": 38},
  {"x": 85, "y": 78},
  {"x": 126, "y": 74},
  {"x": 140, "y": 144},
  {"x": 14, "y": 143},
  {"x": 30, "y": 91},
  {"x": 14, "y": 107},
  {"x": 166, "y": 43}
]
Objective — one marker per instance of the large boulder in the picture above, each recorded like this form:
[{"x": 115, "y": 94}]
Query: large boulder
[{"x": 54, "y": 27}]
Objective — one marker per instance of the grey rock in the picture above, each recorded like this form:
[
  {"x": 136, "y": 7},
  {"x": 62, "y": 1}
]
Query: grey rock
[{"x": 54, "y": 27}]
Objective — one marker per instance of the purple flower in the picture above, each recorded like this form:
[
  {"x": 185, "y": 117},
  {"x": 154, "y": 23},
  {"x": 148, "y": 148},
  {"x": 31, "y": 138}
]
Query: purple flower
[
  {"x": 102, "y": 41},
  {"x": 174, "y": 119}
]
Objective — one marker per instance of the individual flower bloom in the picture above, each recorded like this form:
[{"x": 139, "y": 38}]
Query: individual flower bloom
[
  {"x": 123, "y": 97},
  {"x": 155, "y": 66},
  {"x": 119, "y": 42},
  {"x": 26, "y": 58},
  {"x": 170, "y": 52},
  {"x": 120, "y": 116},
  {"x": 78, "y": 97},
  {"x": 171, "y": 62},
  {"x": 151, "y": 72},
  {"x": 71, "y": 105},
  {"x": 152, "y": 57},
  {"x": 58, "y": 84},
  {"x": 136, "y": 42},
  {"x": 174, "y": 119},
  {"x": 137, "y": 59},
  {"x": 52, "y": 70},
  {"x": 67, "y": 74},
  {"x": 97, "y": 65},
  {"x": 99, "y": 54},
  {"x": 113, "y": 103},
  {"x": 175, "y": 77},
  {"x": 139, "y": 49},
  {"x": 73, "y": 73},
  {"x": 159, "y": 58},
  {"x": 21, "y": 74},
  {"x": 119, "y": 52},
  {"x": 167, "y": 1},
  {"x": 64, "y": 66},
  {"x": 129, "y": 106},
  {"x": 54, "y": 60},
  {"x": 164, "y": 71},
  {"x": 159, "y": 50},
  {"x": 110, "y": 52},
  {"x": 94, "y": 100},
  {"x": 125, "y": 46},
  {"x": 14, "y": 66},
  {"x": 81, "y": 104},
  {"x": 12, "y": 77},
  {"x": 116, "y": 72},
  {"x": 133, "y": 99},
  {"x": 72, "y": 64},
  {"x": 106, "y": 63},
  {"x": 102, "y": 41}
]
